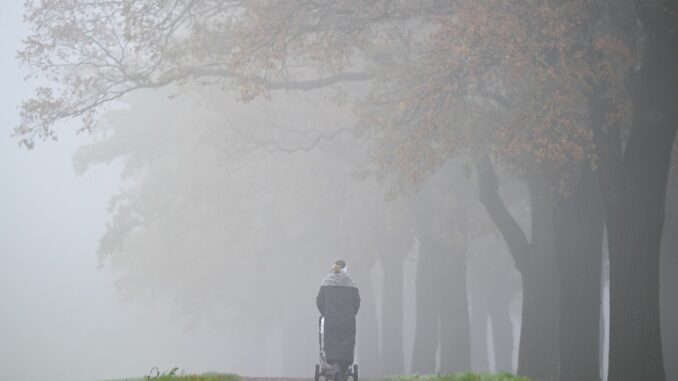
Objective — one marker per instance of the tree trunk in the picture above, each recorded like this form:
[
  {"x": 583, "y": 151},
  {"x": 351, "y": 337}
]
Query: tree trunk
[
  {"x": 426, "y": 331},
  {"x": 539, "y": 341},
  {"x": 636, "y": 202},
  {"x": 668, "y": 285},
  {"x": 635, "y": 344},
  {"x": 491, "y": 288},
  {"x": 442, "y": 321},
  {"x": 392, "y": 327},
  {"x": 634, "y": 182},
  {"x": 455, "y": 331},
  {"x": 579, "y": 227},
  {"x": 635, "y": 222},
  {"x": 668, "y": 268},
  {"x": 537, "y": 265}
]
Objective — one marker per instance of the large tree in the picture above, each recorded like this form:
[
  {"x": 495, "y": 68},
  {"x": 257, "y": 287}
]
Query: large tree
[
  {"x": 439, "y": 211},
  {"x": 668, "y": 282},
  {"x": 634, "y": 160}
]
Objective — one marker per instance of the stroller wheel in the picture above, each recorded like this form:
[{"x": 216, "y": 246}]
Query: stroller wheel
[
  {"x": 317, "y": 372},
  {"x": 355, "y": 372}
]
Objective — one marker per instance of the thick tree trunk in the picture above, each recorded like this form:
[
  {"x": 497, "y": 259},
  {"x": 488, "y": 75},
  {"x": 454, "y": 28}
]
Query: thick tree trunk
[
  {"x": 668, "y": 268},
  {"x": 427, "y": 320},
  {"x": 455, "y": 331},
  {"x": 491, "y": 289},
  {"x": 635, "y": 344},
  {"x": 634, "y": 182},
  {"x": 635, "y": 206},
  {"x": 668, "y": 286},
  {"x": 392, "y": 327},
  {"x": 442, "y": 321},
  {"x": 537, "y": 263},
  {"x": 635, "y": 223},
  {"x": 579, "y": 227},
  {"x": 538, "y": 340}
]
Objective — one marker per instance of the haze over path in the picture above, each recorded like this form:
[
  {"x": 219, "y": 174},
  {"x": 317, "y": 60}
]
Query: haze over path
[{"x": 61, "y": 317}]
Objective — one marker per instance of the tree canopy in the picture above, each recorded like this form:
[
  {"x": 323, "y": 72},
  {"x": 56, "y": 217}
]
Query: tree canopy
[{"x": 524, "y": 68}]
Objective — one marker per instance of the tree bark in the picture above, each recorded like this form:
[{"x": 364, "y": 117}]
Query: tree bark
[
  {"x": 635, "y": 185},
  {"x": 635, "y": 220},
  {"x": 579, "y": 227},
  {"x": 634, "y": 234},
  {"x": 442, "y": 321},
  {"x": 539, "y": 358},
  {"x": 455, "y": 331},
  {"x": 491, "y": 288},
  {"x": 668, "y": 268},
  {"x": 668, "y": 285},
  {"x": 537, "y": 265}
]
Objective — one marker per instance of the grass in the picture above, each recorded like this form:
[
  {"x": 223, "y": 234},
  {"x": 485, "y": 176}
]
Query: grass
[
  {"x": 196, "y": 377},
  {"x": 459, "y": 377},
  {"x": 173, "y": 376}
]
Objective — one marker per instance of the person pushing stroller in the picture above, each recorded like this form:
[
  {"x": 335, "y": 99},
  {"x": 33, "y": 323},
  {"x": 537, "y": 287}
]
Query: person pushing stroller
[{"x": 338, "y": 302}]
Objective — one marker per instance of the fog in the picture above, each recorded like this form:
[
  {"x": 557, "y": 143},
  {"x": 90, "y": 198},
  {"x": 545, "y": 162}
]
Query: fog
[
  {"x": 186, "y": 214},
  {"x": 62, "y": 317}
]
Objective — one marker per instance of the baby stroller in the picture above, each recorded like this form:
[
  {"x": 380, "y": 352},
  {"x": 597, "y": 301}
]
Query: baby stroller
[{"x": 330, "y": 371}]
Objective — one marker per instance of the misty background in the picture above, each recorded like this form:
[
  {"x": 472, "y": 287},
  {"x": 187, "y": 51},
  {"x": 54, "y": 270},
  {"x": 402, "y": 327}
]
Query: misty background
[
  {"x": 191, "y": 228},
  {"x": 67, "y": 314},
  {"x": 62, "y": 317}
]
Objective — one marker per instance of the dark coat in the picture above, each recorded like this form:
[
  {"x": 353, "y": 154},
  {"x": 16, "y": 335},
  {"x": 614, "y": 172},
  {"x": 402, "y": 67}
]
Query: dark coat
[{"x": 338, "y": 301}]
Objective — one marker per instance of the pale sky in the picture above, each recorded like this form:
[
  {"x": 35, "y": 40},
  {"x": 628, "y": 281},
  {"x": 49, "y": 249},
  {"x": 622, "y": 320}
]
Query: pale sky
[{"x": 61, "y": 318}]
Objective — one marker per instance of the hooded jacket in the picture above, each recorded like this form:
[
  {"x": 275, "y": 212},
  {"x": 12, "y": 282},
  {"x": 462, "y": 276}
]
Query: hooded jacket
[{"x": 338, "y": 302}]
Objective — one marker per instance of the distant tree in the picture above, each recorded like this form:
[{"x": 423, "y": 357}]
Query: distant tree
[
  {"x": 439, "y": 210},
  {"x": 237, "y": 205}
]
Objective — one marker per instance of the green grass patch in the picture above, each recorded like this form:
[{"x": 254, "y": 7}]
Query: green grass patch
[
  {"x": 193, "y": 377},
  {"x": 173, "y": 376},
  {"x": 459, "y": 377},
  {"x": 196, "y": 377}
]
